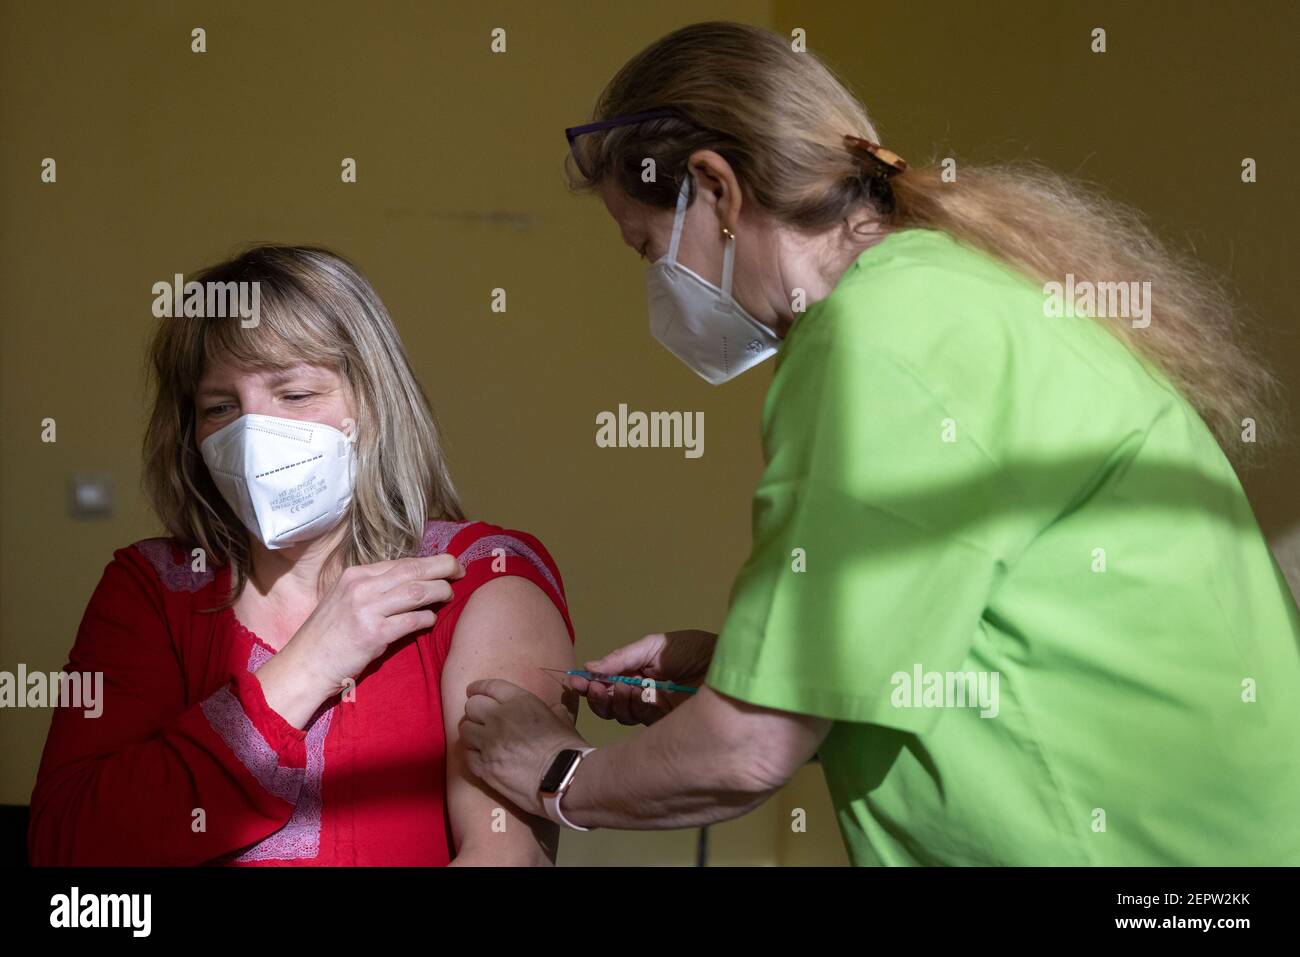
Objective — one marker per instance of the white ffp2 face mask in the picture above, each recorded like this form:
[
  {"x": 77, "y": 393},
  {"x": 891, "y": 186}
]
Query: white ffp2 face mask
[
  {"x": 698, "y": 322},
  {"x": 289, "y": 481}
]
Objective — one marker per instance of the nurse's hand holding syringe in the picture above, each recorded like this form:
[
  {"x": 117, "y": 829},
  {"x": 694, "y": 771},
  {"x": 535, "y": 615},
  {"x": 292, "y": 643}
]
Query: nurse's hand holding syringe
[{"x": 679, "y": 657}]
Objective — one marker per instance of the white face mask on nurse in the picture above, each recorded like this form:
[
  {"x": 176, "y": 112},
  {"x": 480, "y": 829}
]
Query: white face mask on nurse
[{"x": 725, "y": 275}]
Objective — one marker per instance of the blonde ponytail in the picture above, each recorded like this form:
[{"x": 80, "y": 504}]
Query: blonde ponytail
[{"x": 1047, "y": 227}]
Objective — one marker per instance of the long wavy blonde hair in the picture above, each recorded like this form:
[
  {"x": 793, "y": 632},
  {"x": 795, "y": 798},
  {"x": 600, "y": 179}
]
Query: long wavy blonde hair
[
  {"x": 780, "y": 118},
  {"x": 316, "y": 308}
]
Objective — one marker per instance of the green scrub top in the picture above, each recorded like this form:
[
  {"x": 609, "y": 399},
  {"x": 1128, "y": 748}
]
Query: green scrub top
[{"x": 1012, "y": 565}]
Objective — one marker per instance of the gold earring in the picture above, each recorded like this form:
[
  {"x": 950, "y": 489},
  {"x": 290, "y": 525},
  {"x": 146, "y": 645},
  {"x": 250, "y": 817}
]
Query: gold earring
[{"x": 728, "y": 233}]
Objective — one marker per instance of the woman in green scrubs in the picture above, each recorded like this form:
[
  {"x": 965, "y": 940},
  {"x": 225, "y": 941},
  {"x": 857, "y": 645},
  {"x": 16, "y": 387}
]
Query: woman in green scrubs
[{"x": 1004, "y": 579}]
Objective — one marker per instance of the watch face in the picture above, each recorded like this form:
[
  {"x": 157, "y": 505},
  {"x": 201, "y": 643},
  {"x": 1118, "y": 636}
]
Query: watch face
[{"x": 559, "y": 768}]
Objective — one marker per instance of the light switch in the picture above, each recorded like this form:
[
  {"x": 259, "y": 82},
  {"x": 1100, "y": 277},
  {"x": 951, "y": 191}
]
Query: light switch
[{"x": 92, "y": 496}]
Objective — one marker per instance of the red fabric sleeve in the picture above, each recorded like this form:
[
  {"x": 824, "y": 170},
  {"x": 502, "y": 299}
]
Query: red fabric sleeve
[{"x": 122, "y": 788}]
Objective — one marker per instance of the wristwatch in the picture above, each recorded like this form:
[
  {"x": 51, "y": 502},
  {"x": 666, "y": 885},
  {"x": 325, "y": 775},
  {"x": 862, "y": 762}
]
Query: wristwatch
[{"x": 557, "y": 781}]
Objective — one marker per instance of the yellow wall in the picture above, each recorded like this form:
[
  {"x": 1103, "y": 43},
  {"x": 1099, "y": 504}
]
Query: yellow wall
[{"x": 168, "y": 160}]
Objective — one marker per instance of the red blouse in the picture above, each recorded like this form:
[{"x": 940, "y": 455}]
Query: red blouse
[{"x": 188, "y": 765}]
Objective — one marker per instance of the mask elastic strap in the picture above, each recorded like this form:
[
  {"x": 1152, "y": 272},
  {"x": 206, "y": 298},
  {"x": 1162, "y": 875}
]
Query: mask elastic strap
[
  {"x": 728, "y": 260},
  {"x": 679, "y": 220}
]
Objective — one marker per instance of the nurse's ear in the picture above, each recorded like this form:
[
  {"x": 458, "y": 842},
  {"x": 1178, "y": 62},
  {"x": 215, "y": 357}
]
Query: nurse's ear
[{"x": 717, "y": 186}]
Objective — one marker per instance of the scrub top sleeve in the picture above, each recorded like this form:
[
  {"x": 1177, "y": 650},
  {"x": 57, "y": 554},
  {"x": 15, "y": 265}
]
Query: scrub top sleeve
[{"x": 878, "y": 530}]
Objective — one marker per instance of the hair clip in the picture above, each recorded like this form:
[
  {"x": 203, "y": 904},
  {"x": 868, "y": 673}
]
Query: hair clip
[{"x": 893, "y": 163}]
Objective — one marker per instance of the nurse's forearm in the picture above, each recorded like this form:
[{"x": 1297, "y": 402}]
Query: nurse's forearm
[{"x": 696, "y": 766}]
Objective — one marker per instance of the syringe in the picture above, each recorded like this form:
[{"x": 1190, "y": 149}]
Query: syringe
[{"x": 625, "y": 680}]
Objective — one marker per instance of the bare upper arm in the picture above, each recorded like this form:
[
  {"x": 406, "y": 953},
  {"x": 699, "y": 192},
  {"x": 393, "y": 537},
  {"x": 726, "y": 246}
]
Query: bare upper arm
[{"x": 508, "y": 629}]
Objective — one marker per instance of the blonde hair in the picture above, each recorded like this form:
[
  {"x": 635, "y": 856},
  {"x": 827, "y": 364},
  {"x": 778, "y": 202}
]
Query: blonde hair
[
  {"x": 780, "y": 118},
  {"x": 315, "y": 308}
]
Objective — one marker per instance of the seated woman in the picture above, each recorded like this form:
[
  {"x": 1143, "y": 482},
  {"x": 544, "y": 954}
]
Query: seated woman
[{"x": 285, "y": 674}]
